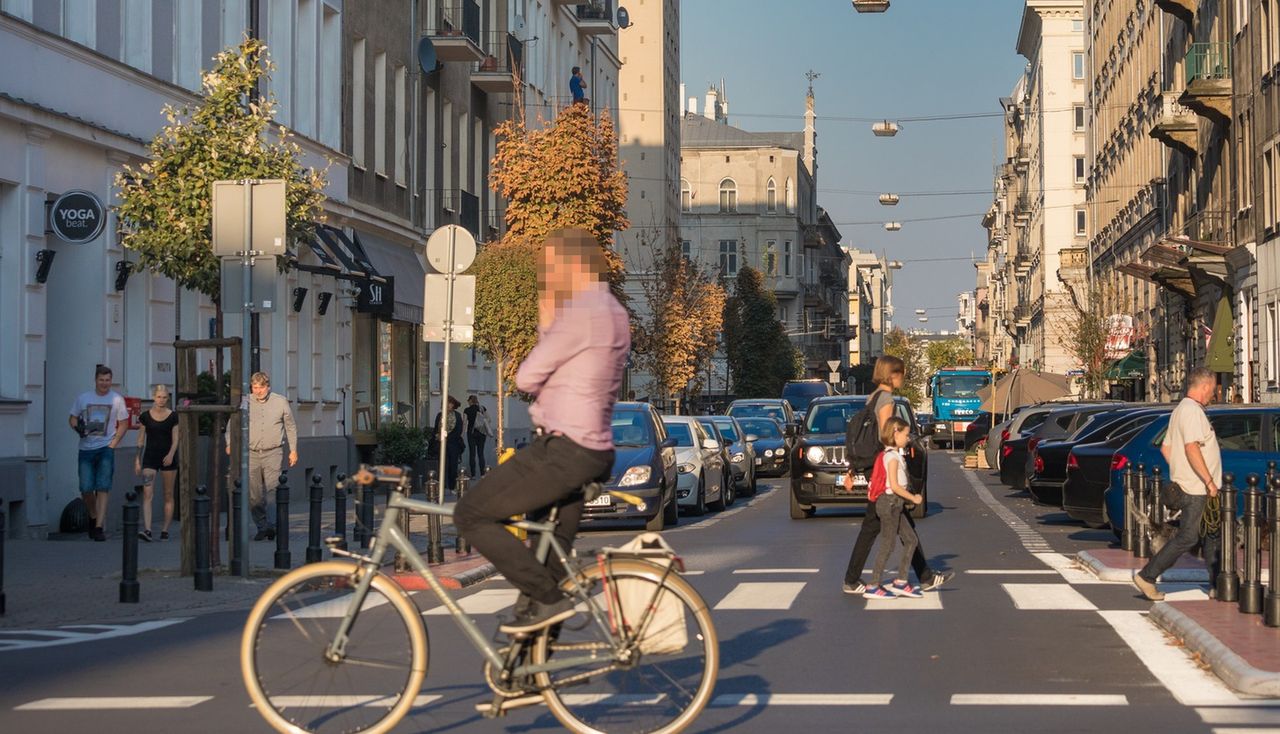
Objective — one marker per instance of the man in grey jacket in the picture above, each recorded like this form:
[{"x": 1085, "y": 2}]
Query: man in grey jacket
[{"x": 270, "y": 425}]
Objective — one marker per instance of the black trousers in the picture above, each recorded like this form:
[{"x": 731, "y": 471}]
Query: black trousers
[
  {"x": 475, "y": 451},
  {"x": 544, "y": 474},
  {"x": 867, "y": 538}
]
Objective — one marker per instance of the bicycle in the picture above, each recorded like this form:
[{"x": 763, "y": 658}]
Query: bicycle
[{"x": 338, "y": 646}]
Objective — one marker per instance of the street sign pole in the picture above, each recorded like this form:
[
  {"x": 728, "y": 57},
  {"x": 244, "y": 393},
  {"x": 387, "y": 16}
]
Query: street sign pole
[
  {"x": 436, "y": 550},
  {"x": 246, "y": 356}
]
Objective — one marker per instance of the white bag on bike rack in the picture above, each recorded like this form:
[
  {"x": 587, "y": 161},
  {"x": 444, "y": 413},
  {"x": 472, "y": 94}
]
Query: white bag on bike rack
[{"x": 666, "y": 633}]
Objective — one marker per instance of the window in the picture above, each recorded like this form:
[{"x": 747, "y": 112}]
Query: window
[
  {"x": 380, "y": 114},
  {"x": 1077, "y": 65},
  {"x": 686, "y": 248},
  {"x": 786, "y": 260},
  {"x": 791, "y": 197},
  {"x": 400, "y": 161},
  {"x": 1079, "y": 117},
  {"x": 728, "y": 195},
  {"x": 358, "y": 110},
  {"x": 1238, "y": 432},
  {"x": 1077, "y": 26},
  {"x": 769, "y": 262},
  {"x": 686, "y": 196},
  {"x": 1273, "y": 344},
  {"x": 729, "y": 257},
  {"x": 782, "y": 316},
  {"x": 1081, "y": 223},
  {"x": 771, "y": 197},
  {"x": 1079, "y": 165},
  {"x": 1268, "y": 195}
]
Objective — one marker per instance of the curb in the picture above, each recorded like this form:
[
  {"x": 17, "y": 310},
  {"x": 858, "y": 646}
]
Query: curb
[
  {"x": 1226, "y": 664},
  {"x": 1125, "y": 575}
]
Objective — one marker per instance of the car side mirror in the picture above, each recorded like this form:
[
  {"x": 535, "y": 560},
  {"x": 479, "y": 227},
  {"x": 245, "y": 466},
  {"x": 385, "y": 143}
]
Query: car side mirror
[
  {"x": 711, "y": 444},
  {"x": 789, "y": 430},
  {"x": 752, "y": 438},
  {"x": 927, "y": 430},
  {"x": 668, "y": 443}
]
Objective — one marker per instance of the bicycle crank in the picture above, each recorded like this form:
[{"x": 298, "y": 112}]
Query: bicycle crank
[{"x": 501, "y": 706}]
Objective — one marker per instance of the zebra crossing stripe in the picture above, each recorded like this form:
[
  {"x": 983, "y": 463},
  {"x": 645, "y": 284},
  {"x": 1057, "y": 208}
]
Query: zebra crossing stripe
[
  {"x": 1039, "y": 699},
  {"x": 802, "y": 699},
  {"x": 488, "y": 601},
  {"x": 1056, "y": 597},
  {"x": 751, "y": 595},
  {"x": 28, "y": 639},
  {"x": 105, "y": 703},
  {"x": 347, "y": 701}
]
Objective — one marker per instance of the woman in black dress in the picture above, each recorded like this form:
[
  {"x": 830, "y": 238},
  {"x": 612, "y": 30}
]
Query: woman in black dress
[{"x": 157, "y": 447}]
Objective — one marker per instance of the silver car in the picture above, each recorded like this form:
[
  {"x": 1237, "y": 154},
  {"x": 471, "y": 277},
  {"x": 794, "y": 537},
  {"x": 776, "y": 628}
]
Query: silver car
[{"x": 702, "y": 478}]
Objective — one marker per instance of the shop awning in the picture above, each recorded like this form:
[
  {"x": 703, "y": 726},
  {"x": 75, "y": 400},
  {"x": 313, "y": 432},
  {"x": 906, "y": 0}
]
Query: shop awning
[
  {"x": 401, "y": 262},
  {"x": 1221, "y": 356},
  {"x": 1132, "y": 366}
]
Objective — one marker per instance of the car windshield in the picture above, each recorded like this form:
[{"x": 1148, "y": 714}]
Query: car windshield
[
  {"x": 631, "y": 429},
  {"x": 681, "y": 432},
  {"x": 727, "y": 430},
  {"x": 710, "y": 428},
  {"x": 758, "y": 411},
  {"x": 760, "y": 428},
  {"x": 961, "y": 386},
  {"x": 831, "y": 417}
]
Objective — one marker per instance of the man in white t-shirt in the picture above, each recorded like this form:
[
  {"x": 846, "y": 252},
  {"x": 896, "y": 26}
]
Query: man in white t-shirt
[
  {"x": 101, "y": 419},
  {"x": 1195, "y": 465}
]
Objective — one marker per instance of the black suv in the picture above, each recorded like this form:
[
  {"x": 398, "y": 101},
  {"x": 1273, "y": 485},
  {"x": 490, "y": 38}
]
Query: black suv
[{"x": 818, "y": 463}]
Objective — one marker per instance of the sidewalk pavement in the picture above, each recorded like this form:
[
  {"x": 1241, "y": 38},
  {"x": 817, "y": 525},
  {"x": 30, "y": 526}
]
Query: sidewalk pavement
[
  {"x": 70, "y": 580},
  {"x": 1239, "y": 648}
]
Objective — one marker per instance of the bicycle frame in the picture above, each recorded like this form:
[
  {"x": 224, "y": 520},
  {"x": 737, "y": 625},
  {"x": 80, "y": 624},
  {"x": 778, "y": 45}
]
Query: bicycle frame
[{"x": 390, "y": 537}]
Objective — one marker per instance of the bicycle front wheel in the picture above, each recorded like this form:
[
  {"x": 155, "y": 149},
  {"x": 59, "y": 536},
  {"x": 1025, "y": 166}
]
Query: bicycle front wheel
[
  {"x": 658, "y": 681},
  {"x": 298, "y": 686}
]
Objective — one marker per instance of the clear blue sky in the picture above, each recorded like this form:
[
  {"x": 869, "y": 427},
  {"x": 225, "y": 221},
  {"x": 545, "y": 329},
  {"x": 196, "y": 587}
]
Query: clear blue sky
[{"x": 921, "y": 58}]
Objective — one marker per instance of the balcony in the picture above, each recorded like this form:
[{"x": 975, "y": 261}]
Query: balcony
[
  {"x": 1022, "y": 315},
  {"x": 1208, "y": 91},
  {"x": 1022, "y": 208},
  {"x": 1184, "y": 10},
  {"x": 495, "y": 225},
  {"x": 1021, "y": 264},
  {"x": 459, "y": 207},
  {"x": 1212, "y": 226},
  {"x": 595, "y": 18},
  {"x": 501, "y": 66},
  {"x": 1022, "y": 158},
  {"x": 456, "y": 35},
  {"x": 1176, "y": 126}
]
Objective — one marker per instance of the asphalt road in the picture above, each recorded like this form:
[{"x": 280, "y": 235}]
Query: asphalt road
[{"x": 1018, "y": 641}]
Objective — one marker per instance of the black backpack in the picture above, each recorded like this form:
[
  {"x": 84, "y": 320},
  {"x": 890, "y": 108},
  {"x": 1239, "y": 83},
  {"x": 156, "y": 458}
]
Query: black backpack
[{"x": 862, "y": 437}]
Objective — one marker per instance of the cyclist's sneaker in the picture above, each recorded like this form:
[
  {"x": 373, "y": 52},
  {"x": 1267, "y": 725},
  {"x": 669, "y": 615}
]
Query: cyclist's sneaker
[
  {"x": 877, "y": 592},
  {"x": 537, "y": 616},
  {"x": 857, "y": 588},
  {"x": 904, "y": 588}
]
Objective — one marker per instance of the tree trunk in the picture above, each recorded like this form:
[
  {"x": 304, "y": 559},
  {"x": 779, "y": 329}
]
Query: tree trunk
[{"x": 500, "y": 443}]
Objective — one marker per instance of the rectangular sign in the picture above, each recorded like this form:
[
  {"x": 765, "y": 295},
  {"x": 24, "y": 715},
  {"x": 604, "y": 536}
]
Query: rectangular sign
[
  {"x": 462, "y": 333},
  {"x": 268, "y": 226},
  {"x": 376, "y": 298},
  {"x": 265, "y": 275},
  {"x": 435, "y": 298}
]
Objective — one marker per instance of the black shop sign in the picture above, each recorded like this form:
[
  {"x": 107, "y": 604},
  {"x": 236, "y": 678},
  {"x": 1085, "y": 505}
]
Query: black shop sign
[{"x": 77, "y": 216}]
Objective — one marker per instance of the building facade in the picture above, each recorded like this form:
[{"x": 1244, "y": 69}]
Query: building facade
[{"x": 869, "y": 306}]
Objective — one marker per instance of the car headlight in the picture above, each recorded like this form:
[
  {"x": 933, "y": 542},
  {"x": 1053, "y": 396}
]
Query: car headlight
[
  {"x": 738, "y": 457},
  {"x": 635, "y": 475},
  {"x": 815, "y": 455},
  {"x": 768, "y": 453},
  {"x": 685, "y": 468}
]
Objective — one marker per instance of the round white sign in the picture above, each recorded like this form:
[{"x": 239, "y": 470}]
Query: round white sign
[{"x": 451, "y": 237}]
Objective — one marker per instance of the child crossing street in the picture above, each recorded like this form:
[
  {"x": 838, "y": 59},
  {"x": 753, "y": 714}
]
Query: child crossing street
[{"x": 889, "y": 491}]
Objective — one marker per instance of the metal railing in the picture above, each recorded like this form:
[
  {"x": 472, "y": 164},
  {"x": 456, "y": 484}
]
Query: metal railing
[
  {"x": 459, "y": 18},
  {"x": 1208, "y": 61},
  {"x": 596, "y": 10},
  {"x": 504, "y": 54},
  {"x": 1210, "y": 225},
  {"x": 461, "y": 208}
]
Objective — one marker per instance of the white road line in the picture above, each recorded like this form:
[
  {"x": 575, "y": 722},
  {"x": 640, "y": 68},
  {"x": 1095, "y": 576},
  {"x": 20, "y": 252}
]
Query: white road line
[
  {"x": 1170, "y": 665},
  {"x": 351, "y": 701},
  {"x": 772, "y": 595},
  {"x": 1011, "y": 571},
  {"x": 1240, "y": 715},
  {"x": 104, "y": 703},
  {"x": 692, "y": 573},
  {"x": 613, "y": 699},
  {"x": 333, "y": 608},
  {"x": 802, "y": 699},
  {"x": 487, "y": 601},
  {"x": 1056, "y": 597},
  {"x": 1038, "y": 699},
  {"x": 69, "y": 638},
  {"x": 930, "y": 602},
  {"x": 1067, "y": 567},
  {"x": 775, "y": 570}
]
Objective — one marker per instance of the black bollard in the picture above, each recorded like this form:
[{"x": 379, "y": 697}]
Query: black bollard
[
  {"x": 340, "y": 512},
  {"x": 203, "y": 574},
  {"x": 1251, "y": 571},
  {"x": 367, "y": 535},
  {"x": 1271, "y": 608},
  {"x": 1142, "y": 539},
  {"x": 129, "y": 590},
  {"x": 3, "y": 524},
  {"x": 1155, "y": 501},
  {"x": 314, "y": 551},
  {"x": 1127, "y": 537},
  {"x": 1228, "y": 582},
  {"x": 283, "y": 557},
  {"x": 460, "y": 544},
  {"x": 435, "y": 545},
  {"x": 237, "y": 552}
]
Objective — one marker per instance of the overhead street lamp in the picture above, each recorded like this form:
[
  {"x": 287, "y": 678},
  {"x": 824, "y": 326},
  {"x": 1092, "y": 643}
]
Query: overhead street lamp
[
  {"x": 885, "y": 129},
  {"x": 870, "y": 6}
]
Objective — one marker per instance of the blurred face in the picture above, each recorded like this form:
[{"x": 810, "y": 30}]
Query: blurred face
[
  {"x": 260, "y": 391},
  {"x": 161, "y": 397},
  {"x": 901, "y": 437},
  {"x": 898, "y": 379},
  {"x": 102, "y": 383},
  {"x": 1203, "y": 392}
]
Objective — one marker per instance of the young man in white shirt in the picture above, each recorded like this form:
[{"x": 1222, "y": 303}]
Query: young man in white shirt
[{"x": 101, "y": 419}]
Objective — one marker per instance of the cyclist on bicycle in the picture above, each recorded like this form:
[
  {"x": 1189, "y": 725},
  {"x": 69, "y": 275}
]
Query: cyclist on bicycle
[{"x": 574, "y": 372}]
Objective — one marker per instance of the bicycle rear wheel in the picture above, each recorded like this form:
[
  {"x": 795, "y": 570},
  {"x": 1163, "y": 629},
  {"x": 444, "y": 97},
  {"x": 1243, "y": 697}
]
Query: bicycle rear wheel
[
  {"x": 670, "y": 674},
  {"x": 283, "y": 658}
]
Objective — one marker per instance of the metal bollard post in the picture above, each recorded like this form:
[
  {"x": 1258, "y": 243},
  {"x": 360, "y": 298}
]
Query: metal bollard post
[
  {"x": 1155, "y": 506},
  {"x": 340, "y": 512},
  {"x": 1271, "y": 609},
  {"x": 460, "y": 545},
  {"x": 314, "y": 551},
  {"x": 365, "y": 513},
  {"x": 1251, "y": 571},
  {"x": 402, "y": 563},
  {"x": 435, "y": 547},
  {"x": 1142, "y": 540},
  {"x": 237, "y": 552},
  {"x": 1127, "y": 537},
  {"x": 1228, "y": 582},
  {"x": 283, "y": 557},
  {"x": 203, "y": 574},
  {"x": 3, "y": 525},
  {"x": 129, "y": 590}
]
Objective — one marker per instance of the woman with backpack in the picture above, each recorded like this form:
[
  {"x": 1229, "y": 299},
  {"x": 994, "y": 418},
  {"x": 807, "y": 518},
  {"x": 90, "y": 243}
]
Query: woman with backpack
[{"x": 889, "y": 374}]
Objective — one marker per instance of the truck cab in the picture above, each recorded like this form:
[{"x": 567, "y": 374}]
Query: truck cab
[{"x": 953, "y": 393}]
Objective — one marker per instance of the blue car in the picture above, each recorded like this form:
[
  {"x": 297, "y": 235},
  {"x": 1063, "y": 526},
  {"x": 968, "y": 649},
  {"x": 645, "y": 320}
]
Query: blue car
[
  {"x": 644, "y": 464},
  {"x": 1244, "y": 434}
]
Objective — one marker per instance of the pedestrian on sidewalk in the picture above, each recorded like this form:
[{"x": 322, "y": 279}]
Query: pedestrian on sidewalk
[
  {"x": 101, "y": 419},
  {"x": 888, "y": 491},
  {"x": 157, "y": 447},
  {"x": 478, "y": 430},
  {"x": 271, "y": 425},
  {"x": 578, "y": 86},
  {"x": 1195, "y": 469},
  {"x": 453, "y": 445},
  {"x": 888, "y": 376}
]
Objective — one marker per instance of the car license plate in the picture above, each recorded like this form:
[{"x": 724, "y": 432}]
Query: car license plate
[
  {"x": 604, "y": 500},
  {"x": 859, "y": 478},
  {"x": 759, "y": 462}
]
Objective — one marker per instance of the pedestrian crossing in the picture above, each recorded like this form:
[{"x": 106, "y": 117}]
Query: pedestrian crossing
[{"x": 11, "y": 640}]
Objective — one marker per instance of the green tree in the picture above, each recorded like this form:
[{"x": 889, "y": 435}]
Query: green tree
[
  {"x": 761, "y": 358},
  {"x": 166, "y": 204},
  {"x": 900, "y": 344},
  {"x": 506, "y": 327},
  {"x": 951, "y": 352},
  {"x": 1084, "y": 334}
]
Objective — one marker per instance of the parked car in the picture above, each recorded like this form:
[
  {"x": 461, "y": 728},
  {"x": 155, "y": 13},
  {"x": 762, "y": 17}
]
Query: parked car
[
  {"x": 1058, "y": 426},
  {"x": 1013, "y": 448},
  {"x": 778, "y": 409},
  {"x": 1089, "y": 468},
  {"x": 742, "y": 455},
  {"x": 818, "y": 462},
  {"x": 726, "y": 458},
  {"x": 996, "y": 436},
  {"x": 977, "y": 430},
  {"x": 1052, "y": 455},
  {"x": 772, "y": 458},
  {"x": 799, "y": 393},
  {"x": 702, "y": 477},
  {"x": 1249, "y": 437},
  {"x": 644, "y": 464},
  {"x": 923, "y": 421}
]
